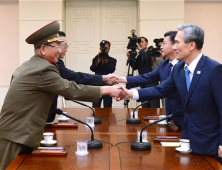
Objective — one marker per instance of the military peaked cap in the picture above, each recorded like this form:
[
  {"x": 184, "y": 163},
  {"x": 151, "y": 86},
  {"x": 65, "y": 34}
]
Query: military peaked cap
[{"x": 45, "y": 35}]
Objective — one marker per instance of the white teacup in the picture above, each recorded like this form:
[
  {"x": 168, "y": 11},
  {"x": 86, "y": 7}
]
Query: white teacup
[
  {"x": 163, "y": 121},
  {"x": 90, "y": 121},
  {"x": 144, "y": 136},
  {"x": 185, "y": 144},
  {"x": 62, "y": 116},
  {"x": 82, "y": 147},
  {"x": 48, "y": 137}
]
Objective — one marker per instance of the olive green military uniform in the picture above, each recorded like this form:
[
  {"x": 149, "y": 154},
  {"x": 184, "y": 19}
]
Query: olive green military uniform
[{"x": 28, "y": 100}]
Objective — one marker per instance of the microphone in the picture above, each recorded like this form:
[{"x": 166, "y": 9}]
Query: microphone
[
  {"x": 93, "y": 144},
  {"x": 133, "y": 120},
  {"x": 144, "y": 146},
  {"x": 96, "y": 120}
]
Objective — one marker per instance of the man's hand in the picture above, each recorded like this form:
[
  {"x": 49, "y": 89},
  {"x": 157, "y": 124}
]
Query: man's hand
[
  {"x": 110, "y": 79},
  {"x": 138, "y": 46},
  {"x": 113, "y": 91},
  {"x": 126, "y": 94},
  {"x": 220, "y": 151},
  {"x": 99, "y": 60},
  {"x": 105, "y": 60},
  {"x": 128, "y": 54}
]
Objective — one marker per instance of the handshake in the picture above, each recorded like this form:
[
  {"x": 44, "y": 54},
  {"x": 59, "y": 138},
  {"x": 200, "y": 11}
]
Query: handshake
[{"x": 118, "y": 92}]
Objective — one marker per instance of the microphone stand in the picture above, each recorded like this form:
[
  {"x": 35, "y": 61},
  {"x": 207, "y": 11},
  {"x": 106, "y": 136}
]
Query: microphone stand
[
  {"x": 144, "y": 146},
  {"x": 133, "y": 120},
  {"x": 132, "y": 57},
  {"x": 93, "y": 144},
  {"x": 96, "y": 120}
]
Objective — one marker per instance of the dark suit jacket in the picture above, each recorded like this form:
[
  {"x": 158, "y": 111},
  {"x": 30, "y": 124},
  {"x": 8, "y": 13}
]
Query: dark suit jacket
[
  {"x": 173, "y": 102},
  {"x": 202, "y": 104},
  {"x": 78, "y": 77},
  {"x": 28, "y": 100}
]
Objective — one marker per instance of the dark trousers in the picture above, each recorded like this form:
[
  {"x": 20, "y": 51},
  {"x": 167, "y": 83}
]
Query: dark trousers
[{"x": 107, "y": 102}]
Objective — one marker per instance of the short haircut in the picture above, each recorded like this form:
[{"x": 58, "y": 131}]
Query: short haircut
[
  {"x": 192, "y": 33},
  {"x": 62, "y": 34},
  {"x": 106, "y": 42},
  {"x": 144, "y": 39},
  {"x": 171, "y": 35}
]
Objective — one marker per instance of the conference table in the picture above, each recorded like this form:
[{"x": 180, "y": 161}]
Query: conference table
[{"x": 116, "y": 152}]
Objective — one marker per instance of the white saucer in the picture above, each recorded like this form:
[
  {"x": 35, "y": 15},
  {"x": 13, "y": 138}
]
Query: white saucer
[
  {"x": 151, "y": 121},
  {"x": 162, "y": 124},
  {"x": 63, "y": 119},
  {"x": 81, "y": 154},
  {"x": 183, "y": 151},
  {"x": 53, "y": 142}
]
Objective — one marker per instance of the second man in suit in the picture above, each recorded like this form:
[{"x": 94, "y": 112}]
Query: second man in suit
[
  {"x": 78, "y": 77},
  {"x": 173, "y": 102}
]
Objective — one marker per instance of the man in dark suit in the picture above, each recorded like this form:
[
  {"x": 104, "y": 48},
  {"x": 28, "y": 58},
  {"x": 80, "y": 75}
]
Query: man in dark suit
[
  {"x": 28, "y": 100},
  {"x": 78, "y": 77},
  {"x": 103, "y": 64},
  {"x": 173, "y": 102},
  {"x": 143, "y": 63},
  {"x": 198, "y": 80}
]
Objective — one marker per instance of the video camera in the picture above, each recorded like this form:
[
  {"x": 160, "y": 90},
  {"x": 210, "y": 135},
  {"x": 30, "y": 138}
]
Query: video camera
[
  {"x": 133, "y": 40},
  {"x": 154, "y": 52},
  {"x": 103, "y": 55}
]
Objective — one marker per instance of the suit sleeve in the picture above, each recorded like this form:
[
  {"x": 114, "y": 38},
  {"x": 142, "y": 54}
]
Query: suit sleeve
[
  {"x": 165, "y": 89},
  {"x": 140, "y": 80},
  {"x": 217, "y": 93},
  {"x": 49, "y": 80},
  {"x": 78, "y": 77}
]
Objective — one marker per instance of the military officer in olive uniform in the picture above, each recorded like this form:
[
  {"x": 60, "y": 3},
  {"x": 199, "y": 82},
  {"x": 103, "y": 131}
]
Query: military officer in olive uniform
[{"x": 33, "y": 86}]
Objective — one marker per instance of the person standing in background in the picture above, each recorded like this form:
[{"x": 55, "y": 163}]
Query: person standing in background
[
  {"x": 143, "y": 63},
  {"x": 103, "y": 64}
]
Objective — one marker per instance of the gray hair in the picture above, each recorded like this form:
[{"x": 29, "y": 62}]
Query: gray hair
[{"x": 192, "y": 33}]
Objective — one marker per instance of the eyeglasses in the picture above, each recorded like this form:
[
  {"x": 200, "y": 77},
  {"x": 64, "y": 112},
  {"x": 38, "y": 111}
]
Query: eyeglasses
[
  {"x": 65, "y": 46},
  {"x": 164, "y": 43},
  {"x": 58, "y": 47}
]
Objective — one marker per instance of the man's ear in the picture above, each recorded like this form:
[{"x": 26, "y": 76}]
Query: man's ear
[
  {"x": 193, "y": 45},
  {"x": 42, "y": 50}
]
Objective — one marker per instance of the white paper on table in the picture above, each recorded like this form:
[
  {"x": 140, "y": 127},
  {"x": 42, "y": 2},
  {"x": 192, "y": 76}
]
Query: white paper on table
[{"x": 170, "y": 144}]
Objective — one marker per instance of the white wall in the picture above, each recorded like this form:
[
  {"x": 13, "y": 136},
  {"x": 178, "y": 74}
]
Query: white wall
[{"x": 208, "y": 16}]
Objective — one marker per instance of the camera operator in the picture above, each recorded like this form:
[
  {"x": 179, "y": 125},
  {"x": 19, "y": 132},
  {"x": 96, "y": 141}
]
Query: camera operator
[
  {"x": 155, "y": 52},
  {"x": 143, "y": 63},
  {"x": 103, "y": 64}
]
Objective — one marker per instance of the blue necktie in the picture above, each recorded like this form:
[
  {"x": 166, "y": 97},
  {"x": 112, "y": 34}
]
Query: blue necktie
[
  {"x": 187, "y": 75},
  {"x": 169, "y": 68}
]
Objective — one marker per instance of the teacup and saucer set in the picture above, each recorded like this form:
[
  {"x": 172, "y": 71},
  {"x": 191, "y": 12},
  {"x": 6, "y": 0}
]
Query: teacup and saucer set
[
  {"x": 184, "y": 146},
  {"x": 48, "y": 139}
]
